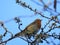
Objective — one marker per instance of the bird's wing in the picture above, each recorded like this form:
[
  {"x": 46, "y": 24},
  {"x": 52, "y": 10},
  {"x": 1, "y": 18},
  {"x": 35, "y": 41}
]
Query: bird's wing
[
  {"x": 23, "y": 33},
  {"x": 31, "y": 29}
]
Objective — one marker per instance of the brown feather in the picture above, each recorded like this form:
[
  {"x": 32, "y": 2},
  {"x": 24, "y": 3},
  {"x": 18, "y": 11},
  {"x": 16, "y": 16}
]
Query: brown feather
[{"x": 32, "y": 28}]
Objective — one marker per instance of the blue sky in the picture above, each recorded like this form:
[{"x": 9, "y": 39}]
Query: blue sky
[{"x": 9, "y": 9}]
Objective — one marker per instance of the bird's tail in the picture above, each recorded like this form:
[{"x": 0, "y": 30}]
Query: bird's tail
[{"x": 22, "y": 33}]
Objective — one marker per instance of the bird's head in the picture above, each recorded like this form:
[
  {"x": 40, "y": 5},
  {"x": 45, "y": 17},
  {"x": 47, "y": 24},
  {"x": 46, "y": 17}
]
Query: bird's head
[{"x": 38, "y": 21}]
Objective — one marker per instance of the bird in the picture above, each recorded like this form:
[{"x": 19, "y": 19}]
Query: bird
[{"x": 31, "y": 29}]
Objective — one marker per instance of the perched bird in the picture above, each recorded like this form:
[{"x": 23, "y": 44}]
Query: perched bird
[{"x": 31, "y": 29}]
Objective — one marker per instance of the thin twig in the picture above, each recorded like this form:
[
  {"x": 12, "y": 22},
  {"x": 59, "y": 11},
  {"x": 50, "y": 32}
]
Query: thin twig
[{"x": 27, "y": 6}]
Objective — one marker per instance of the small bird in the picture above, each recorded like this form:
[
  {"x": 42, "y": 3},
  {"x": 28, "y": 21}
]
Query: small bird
[{"x": 31, "y": 29}]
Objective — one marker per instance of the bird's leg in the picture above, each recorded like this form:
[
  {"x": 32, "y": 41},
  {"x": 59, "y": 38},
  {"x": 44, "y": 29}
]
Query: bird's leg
[{"x": 28, "y": 37}]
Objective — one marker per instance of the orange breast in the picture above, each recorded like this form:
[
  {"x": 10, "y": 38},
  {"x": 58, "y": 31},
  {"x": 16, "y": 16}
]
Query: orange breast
[{"x": 39, "y": 24}]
